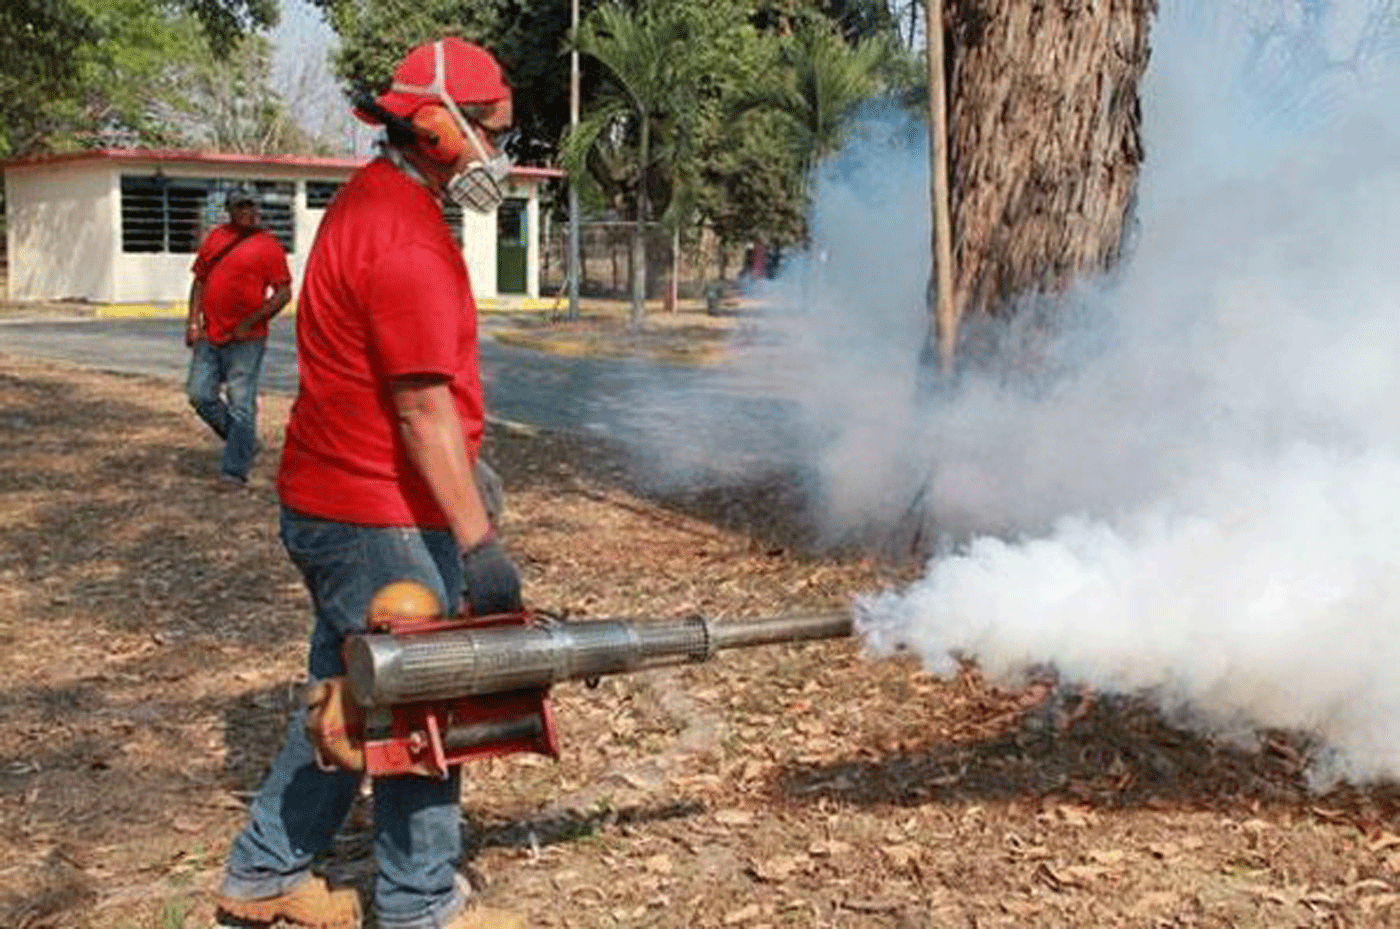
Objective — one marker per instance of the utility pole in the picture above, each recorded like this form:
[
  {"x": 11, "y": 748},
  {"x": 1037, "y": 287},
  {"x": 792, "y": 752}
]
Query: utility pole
[
  {"x": 940, "y": 297},
  {"x": 575, "y": 259}
]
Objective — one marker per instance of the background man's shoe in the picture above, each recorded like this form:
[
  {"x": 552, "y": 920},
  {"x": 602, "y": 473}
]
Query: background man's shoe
[
  {"x": 485, "y": 917},
  {"x": 311, "y": 903}
]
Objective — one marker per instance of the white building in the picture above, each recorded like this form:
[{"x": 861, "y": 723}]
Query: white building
[{"x": 121, "y": 226}]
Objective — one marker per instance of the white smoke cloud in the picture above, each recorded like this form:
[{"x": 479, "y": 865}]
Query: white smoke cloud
[{"x": 1206, "y": 506}]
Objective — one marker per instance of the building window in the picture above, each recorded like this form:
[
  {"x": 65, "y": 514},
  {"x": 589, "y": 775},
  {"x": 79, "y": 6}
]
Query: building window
[
  {"x": 275, "y": 201},
  {"x": 319, "y": 194},
  {"x": 173, "y": 214},
  {"x": 144, "y": 223}
]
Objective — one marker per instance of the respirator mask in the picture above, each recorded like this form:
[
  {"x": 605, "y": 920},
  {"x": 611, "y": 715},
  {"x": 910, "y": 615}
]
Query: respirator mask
[{"x": 480, "y": 185}]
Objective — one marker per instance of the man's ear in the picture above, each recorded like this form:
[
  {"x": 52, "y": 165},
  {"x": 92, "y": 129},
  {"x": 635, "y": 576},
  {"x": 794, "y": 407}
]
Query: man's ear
[{"x": 439, "y": 137}]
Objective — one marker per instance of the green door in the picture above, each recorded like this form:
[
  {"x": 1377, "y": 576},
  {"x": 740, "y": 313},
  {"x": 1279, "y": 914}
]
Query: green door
[{"x": 512, "y": 245}]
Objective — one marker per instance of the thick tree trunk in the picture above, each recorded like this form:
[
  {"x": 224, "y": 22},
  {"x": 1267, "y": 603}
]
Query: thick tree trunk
[{"x": 1045, "y": 140}]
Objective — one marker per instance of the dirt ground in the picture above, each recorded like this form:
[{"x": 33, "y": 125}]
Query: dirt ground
[{"x": 154, "y": 642}]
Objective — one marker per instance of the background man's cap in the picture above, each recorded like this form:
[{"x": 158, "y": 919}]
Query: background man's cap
[
  {"x": 238, "y": 196},
  {"x": 474, "y": 77}
]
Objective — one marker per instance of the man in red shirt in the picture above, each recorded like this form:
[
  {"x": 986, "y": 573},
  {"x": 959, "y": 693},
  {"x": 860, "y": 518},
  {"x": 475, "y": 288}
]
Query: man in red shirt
[
  {"x": 377, "y": 484},
  {"x": 241, "y": 281}
]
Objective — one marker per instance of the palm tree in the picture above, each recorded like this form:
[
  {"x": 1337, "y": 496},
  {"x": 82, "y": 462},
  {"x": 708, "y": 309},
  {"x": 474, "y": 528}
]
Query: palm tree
[
  {"x": 820, "y": 85},
  {"x": 633, "y": 126}
]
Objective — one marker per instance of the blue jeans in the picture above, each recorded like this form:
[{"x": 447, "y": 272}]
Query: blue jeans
[
  {"x": 299, "y": 807},
  {"x": 232, "y": 369}
]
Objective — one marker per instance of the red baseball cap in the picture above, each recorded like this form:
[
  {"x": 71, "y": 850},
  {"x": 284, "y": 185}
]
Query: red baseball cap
[{"x": 472, "y": 76}]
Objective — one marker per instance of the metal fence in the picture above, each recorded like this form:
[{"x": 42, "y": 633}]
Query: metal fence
[{"x": 605, "y": 248}]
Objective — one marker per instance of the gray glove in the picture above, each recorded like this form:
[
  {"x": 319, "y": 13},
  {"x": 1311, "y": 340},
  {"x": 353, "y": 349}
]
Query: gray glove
[{"x": 491, "y": 581}]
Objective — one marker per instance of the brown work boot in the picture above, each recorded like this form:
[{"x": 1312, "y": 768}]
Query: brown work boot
[
  {"x": 311, "y": 903},
  {"x": 485, "y": 917}
]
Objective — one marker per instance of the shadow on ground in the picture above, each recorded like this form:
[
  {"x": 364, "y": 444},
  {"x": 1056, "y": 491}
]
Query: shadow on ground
[{"x": 1120, "y": 753}]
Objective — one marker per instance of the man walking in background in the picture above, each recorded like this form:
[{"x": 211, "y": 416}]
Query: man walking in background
[
  {"x": 241, "y": 280},
  {"x": 378, "y": 484}
]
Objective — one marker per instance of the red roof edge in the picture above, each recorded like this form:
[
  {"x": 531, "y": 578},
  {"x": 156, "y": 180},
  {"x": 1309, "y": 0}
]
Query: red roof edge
[{"x": 229, "y": 158}]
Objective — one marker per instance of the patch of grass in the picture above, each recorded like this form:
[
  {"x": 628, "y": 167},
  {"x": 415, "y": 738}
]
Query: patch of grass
[{"x": 175, "y": 912}]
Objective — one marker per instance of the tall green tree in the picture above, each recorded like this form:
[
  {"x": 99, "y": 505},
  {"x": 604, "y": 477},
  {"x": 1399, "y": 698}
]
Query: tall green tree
[
  {"x": 375, "y": 36},
  {"x": 819, "y": 88},
  {"x": 528, "y": 36},
  {"x": 751, "y": 188},
  {"x": 853, "y": 19}
]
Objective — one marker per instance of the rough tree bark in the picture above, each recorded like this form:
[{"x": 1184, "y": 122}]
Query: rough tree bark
[{"x": 1045, "y": 140}]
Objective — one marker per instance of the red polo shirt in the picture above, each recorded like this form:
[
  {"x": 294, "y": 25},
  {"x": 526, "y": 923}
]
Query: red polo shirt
[
  {"x": 385, "y": 294},
  {"x": 236, "y": 287}
]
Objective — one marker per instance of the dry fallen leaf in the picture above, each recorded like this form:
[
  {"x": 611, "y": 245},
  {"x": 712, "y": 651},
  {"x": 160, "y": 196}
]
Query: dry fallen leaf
[
  {"x": 904, "y": 854},
  {"x": 734, "y": 817},
  {"x": 742, "y": 915},
  {"x": 1020, "y": 908},
  {"x": 1384, "y": 842},
  {"x": 1154, "y": 901},
  {"x": 779, "y": 868},
  {"x": 1110, "y": 856},
  {"x": 828, "y": 848}
]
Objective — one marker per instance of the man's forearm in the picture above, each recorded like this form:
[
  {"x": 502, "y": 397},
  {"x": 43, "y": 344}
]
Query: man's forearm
[
  {"x": 196, "y": 297},
  {"x": 276, "y": 300},
  {"x": 433, "y": 434},
  {"x": 273, "y": 305},
  {"x": 194, "y": 318}
]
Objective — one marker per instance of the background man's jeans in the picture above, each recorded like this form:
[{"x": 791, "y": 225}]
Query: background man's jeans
[
  {"x": 299, "y": 807},
  {"x": 232, "y": 368}
]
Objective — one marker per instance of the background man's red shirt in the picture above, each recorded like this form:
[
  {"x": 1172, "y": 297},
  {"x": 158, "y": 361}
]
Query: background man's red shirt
[{"x": 236, "y": 287}]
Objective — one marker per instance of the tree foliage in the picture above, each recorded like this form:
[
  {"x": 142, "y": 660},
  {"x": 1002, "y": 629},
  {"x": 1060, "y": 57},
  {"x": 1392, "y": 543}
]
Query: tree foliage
[
  {"x": 853, "y": 19},
  {"x": 39, "y": 43},
  {"x": 528, "y": 37},
  {"x": 820, "y": 86},
  {"x": 80, "y": 73},
  {"x": 225, "y": 22}
]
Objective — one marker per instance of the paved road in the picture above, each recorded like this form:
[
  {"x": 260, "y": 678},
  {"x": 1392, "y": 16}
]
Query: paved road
[{"x": 522, "y": 385}]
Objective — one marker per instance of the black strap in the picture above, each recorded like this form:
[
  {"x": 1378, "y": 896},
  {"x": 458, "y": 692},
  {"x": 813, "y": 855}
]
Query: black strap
[{"x": 243, "y": 236}]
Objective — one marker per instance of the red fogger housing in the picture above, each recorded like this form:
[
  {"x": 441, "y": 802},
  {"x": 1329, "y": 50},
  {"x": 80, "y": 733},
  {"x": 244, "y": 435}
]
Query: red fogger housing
[{"x": 428, "y": 737}]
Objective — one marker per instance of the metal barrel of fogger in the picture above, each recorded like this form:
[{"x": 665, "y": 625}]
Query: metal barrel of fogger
[{"x": 386, "y": 669}]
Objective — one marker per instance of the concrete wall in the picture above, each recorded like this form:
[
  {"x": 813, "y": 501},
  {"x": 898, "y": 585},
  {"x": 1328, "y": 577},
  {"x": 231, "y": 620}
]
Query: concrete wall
[
  {"x": 479, "y": 251},
  {"x": 60, "y": 237},
  {"x": 532, "y": 254}
]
